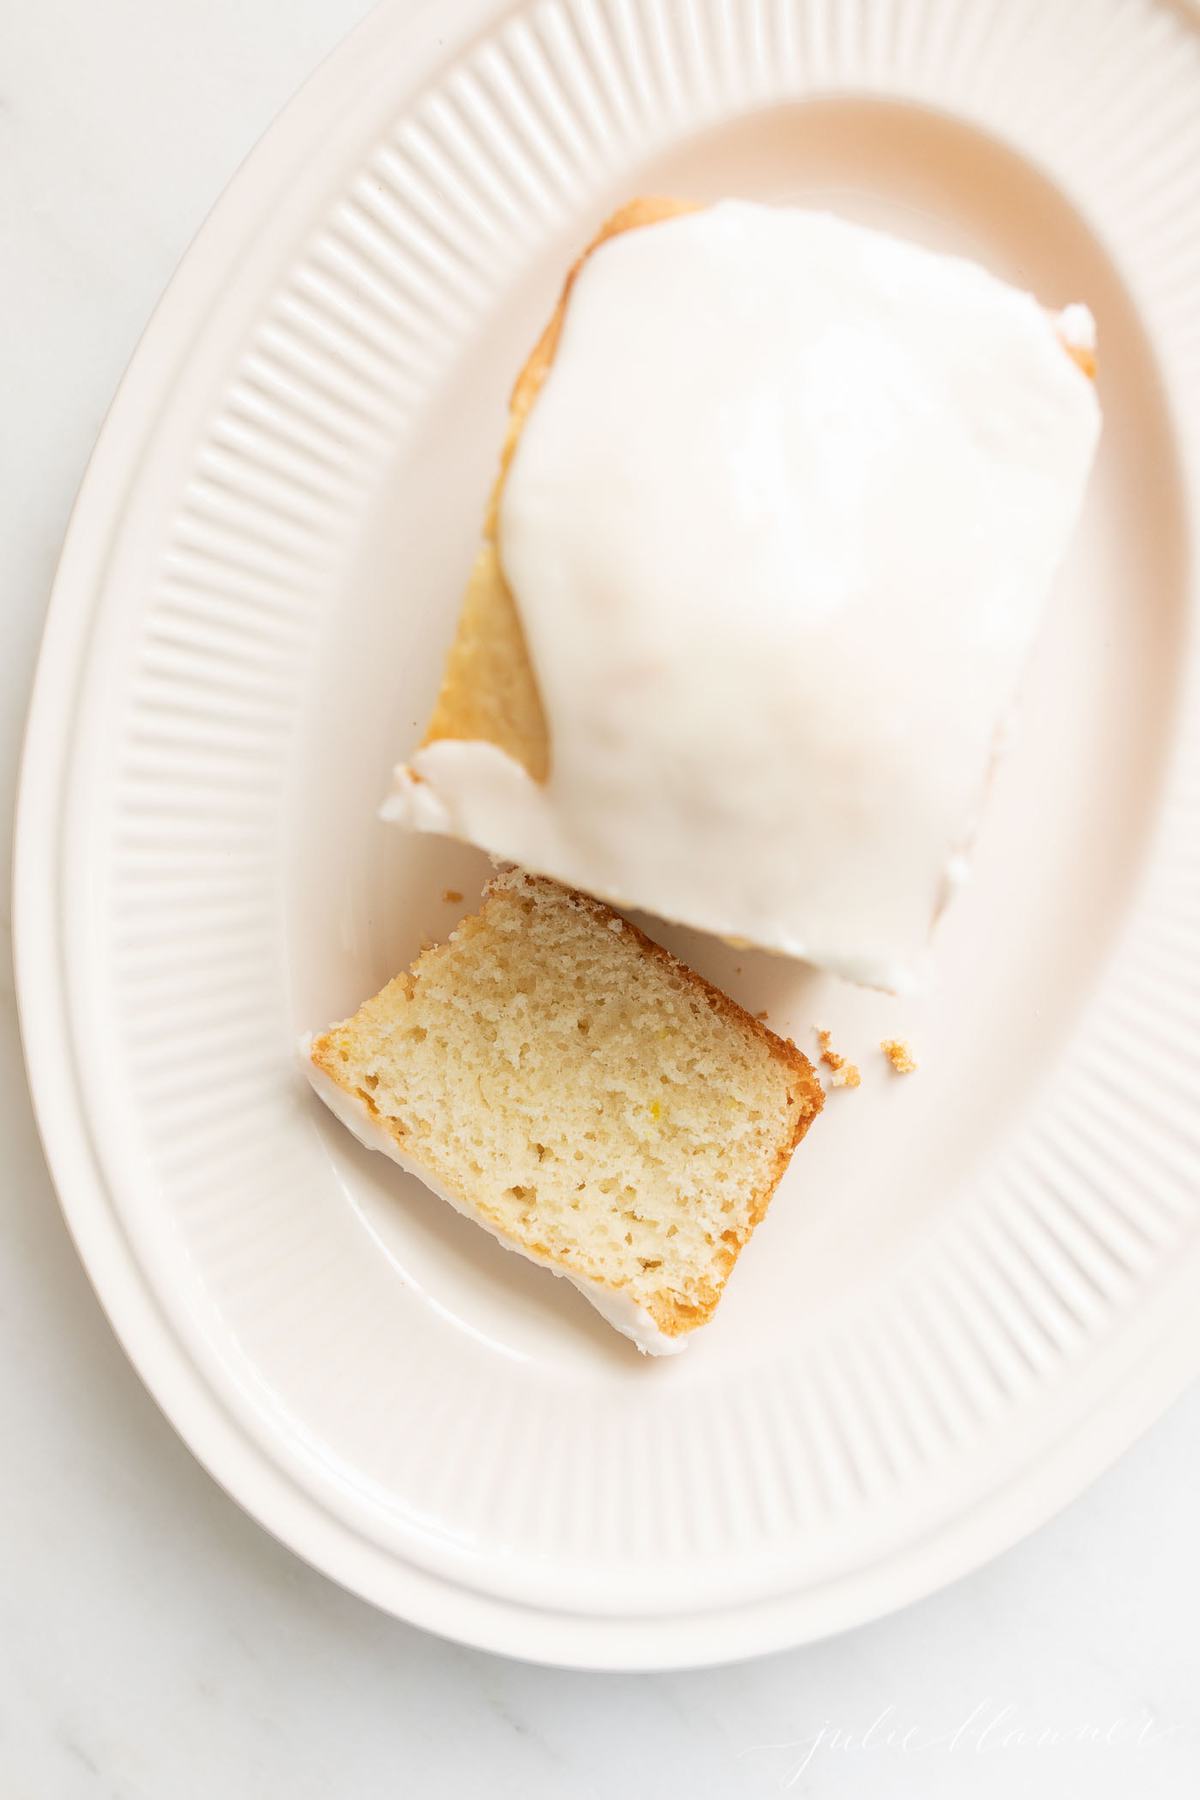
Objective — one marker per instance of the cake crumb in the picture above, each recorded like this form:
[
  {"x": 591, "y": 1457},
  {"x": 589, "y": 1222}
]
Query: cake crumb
[
  {"x": 845, "y": 1074},
  {"x": 451, "y": 896},
  {"x": 762, "y": 1015},
  {"x": 900, "y": 1056}
]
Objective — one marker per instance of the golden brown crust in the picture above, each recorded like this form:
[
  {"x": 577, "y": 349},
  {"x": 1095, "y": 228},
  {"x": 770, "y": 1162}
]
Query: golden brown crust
[
  {"x": 1082, "y": 358},
  {"x": 489, "y": 690},
  {"x": 671, "y": 1313}
]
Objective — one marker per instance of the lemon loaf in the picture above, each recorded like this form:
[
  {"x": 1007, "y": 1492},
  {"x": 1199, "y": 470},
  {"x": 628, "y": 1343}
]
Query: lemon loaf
[
  {"x": 779, "y": 505},
  {"x": 584, "y": 1096}
]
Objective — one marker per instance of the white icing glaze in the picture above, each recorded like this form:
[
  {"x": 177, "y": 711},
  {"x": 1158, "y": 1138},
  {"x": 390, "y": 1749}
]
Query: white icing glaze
[
  {"x": 1076, "y": 327},
  {"x": 618, "y": 1309},
  {"x": 780, "y": 527}
]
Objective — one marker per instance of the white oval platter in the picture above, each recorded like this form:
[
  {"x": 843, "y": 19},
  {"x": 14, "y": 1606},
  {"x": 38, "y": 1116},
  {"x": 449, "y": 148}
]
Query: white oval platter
[{"x": 977, "y": 1284}]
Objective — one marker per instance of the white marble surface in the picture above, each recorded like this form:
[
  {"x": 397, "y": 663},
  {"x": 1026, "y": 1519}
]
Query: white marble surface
[{"x": 154, "y": 1643}]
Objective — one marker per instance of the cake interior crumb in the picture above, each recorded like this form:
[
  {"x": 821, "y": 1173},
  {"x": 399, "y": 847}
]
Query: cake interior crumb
[
  {"x": 899, "y": 1055},
  {"x": 582, "y": 1094}
]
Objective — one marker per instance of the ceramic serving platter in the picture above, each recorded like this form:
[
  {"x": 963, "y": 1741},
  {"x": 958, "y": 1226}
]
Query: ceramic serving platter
[{"x": 977, "y": 1283}]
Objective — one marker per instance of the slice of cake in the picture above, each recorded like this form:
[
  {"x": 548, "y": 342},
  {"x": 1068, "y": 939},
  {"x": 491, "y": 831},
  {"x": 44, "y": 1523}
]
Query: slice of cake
[
  {"x": 576, "y": 1090},
  {"x": 779, "y": 505}
]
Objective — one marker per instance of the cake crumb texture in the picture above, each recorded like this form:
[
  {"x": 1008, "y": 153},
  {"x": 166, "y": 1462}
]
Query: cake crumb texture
[
  {"x": 584, "y": 1095},
  {"x": 900, "y": 1056},
  {"x": 845, "y": 1074}
]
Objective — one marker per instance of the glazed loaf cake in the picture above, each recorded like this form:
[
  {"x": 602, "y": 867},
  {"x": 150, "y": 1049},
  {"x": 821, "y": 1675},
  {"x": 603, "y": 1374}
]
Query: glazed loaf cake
[{"x": 779, "y": 505}]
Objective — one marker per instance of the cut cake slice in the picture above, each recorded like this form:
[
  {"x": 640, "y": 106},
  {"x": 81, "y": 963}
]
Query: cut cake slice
[{"x": 584, "y": 1096}]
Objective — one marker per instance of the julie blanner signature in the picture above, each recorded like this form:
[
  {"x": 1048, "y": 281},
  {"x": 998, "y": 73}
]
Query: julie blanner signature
[{"x": 990, "y": 1728}]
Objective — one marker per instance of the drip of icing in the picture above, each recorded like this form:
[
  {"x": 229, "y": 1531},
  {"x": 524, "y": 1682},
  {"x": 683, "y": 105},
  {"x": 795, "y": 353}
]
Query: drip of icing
[{"x": 780, "y": 527}]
